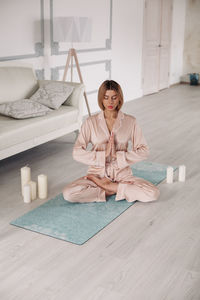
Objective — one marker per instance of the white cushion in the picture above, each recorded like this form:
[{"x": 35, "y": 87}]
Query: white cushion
[
  {"x": 53, "y": 94},
  {"x": 17, "y": 131},
  {"x": 23, "y": 108},
  {"x": 77, "y": 94},
  {"x": 16, "y": 83}
]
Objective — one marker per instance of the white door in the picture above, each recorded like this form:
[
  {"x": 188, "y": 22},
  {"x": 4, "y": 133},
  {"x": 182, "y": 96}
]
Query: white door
[
  {"x": 165, "y": 40},
  {"x": 156, "y": 45}
]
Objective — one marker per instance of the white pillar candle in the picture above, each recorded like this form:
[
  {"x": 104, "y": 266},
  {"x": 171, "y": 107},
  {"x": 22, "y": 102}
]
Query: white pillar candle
[
  {"x": 42, "y": 186},
  {"x": 25, "y": 177},
  {"x": 33, "y": 189},
  {"x": 170, "y": 173},
  {"x": 27, "y": 193},
  {"x": 181, "y": 173}
]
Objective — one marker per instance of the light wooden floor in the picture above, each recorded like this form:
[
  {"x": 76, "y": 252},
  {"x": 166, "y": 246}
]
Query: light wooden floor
[{"x": 150, "y": 252}]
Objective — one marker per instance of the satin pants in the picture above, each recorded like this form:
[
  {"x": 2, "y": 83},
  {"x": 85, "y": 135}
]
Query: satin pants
[{"x": 130, "y": 187}]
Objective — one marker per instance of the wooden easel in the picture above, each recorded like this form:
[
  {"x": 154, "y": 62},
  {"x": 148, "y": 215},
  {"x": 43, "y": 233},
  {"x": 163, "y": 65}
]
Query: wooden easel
[{"x": 71, "y": 54}]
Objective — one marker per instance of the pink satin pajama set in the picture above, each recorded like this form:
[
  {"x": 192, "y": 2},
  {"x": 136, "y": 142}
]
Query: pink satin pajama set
[{"x": 95, "y": 131}]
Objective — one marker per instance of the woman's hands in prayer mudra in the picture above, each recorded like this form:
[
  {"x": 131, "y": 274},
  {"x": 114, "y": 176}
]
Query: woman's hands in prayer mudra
[
  {"x": 110, "y": 147},
  {"x": 109, "y": 186}
]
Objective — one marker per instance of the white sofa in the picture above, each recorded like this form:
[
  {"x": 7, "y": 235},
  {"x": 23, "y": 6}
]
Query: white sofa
[{"x": 17, "y": 82}]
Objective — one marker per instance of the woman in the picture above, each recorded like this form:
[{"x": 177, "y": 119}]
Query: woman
[{"x": 109, "y": 160}]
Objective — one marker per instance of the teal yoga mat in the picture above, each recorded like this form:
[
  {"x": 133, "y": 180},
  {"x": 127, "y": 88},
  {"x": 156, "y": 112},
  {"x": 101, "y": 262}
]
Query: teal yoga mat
[{"x": 78, "y": 222}]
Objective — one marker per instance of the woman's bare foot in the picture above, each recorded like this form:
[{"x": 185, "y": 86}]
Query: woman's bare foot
[{"x": 109, "y": 186}]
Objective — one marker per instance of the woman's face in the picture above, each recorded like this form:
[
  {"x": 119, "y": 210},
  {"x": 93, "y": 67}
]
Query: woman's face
[{"x": 110, "y": 100}]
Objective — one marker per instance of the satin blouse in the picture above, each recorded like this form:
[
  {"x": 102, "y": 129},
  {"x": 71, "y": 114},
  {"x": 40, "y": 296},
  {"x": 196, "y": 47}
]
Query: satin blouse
[{"x": 94, "y": 130}]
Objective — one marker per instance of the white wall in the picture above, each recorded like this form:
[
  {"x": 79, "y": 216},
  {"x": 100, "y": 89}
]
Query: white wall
[
  {"x": 191, "y": 57},
  {"x": 21, "y": 27},
  {"x": 127, "y": 46}
]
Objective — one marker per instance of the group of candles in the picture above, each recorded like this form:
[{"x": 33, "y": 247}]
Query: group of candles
[
  {"x": 181, "y": 174},
  {"x": 29, "y": 187}
]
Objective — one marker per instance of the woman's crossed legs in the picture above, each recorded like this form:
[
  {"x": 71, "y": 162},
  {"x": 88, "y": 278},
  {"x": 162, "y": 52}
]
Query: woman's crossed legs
[
  {"x": 108, "y": 186},
  {"x": 92, "y": 188}
]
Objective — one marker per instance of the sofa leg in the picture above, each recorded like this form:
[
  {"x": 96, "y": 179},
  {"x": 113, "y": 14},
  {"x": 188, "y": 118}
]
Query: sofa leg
[{"x": 76, "y": 133}]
